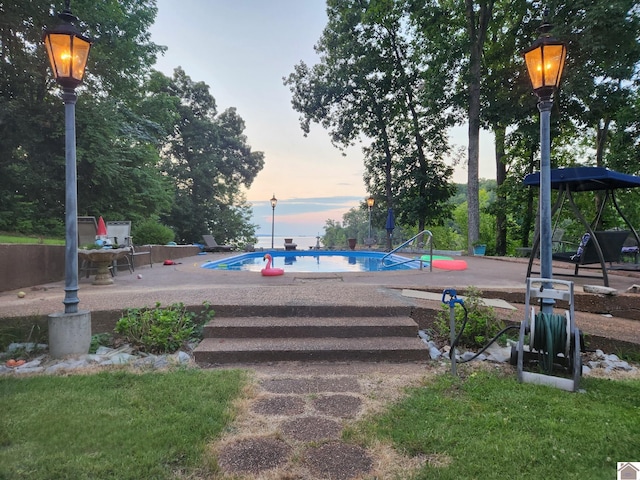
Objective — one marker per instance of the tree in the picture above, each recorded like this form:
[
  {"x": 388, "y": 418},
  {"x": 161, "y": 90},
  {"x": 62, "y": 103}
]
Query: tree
[
  {"x": 478, "y": 14},
  {"x": 372, "y": 83},
  {"x": 505, "y": 89},
  {"x": 208, "y": 159},
  {"x": 116, "y": 170}
]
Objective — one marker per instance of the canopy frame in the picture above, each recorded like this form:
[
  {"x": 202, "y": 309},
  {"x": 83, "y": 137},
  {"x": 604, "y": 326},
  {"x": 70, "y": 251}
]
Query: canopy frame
[{"x": 583, "y": 179}]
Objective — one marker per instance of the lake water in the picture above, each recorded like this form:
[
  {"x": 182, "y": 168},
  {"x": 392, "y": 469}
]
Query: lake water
[{"x": 303, "y": 242}]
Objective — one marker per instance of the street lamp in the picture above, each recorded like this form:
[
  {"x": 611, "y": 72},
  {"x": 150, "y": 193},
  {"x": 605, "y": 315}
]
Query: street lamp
[
  {"x": 68, "y": 52},
  {"x": 274, "y": 202},
  {"x": 370, "y": 202},
  {"x": 545, "y": 62}
]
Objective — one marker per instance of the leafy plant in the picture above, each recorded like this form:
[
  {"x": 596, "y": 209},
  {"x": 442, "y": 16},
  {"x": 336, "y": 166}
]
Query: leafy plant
[
  {"x": 152, "y": 232},
  {"x": 482, "y": 322},
  {"x": 100, "y": 340},
  {"x": 162, "y": 330}
]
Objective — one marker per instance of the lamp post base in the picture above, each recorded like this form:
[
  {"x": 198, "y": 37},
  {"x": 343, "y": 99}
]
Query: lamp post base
[{"x": 69, "y": 333}]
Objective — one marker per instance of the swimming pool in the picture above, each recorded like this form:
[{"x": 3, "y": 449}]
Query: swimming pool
[{"x": 315, "y": 261}]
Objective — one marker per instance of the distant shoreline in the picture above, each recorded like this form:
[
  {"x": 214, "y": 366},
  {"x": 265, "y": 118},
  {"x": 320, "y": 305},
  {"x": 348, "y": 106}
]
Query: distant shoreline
[{"x": 303, "y": 242}]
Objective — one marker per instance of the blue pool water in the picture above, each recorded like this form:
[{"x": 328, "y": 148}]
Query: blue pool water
[{"x": 314, "y": 261}]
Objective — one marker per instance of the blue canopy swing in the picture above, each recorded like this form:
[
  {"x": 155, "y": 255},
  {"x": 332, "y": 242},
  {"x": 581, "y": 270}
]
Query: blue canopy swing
[{"x": 586, "y": 179}]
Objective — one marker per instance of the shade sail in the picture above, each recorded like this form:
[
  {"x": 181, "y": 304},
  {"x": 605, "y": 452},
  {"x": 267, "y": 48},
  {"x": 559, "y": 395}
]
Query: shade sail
[{"x": 583, "y": 179}]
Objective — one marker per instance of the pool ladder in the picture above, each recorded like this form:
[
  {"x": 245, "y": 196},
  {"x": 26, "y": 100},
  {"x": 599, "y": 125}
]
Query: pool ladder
[{"x": 429, "y": 242}]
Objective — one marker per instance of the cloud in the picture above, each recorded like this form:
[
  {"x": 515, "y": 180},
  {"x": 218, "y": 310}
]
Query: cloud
[{"x": 301, "y": 216}]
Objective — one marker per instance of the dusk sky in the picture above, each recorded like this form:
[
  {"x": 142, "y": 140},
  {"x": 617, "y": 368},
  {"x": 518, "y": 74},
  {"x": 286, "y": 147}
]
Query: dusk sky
[{"x": 242, "y": 49}]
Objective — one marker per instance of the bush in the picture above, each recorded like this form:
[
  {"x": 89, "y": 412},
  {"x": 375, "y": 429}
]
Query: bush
[
  {"x": 162, "y": 330},
  {"x": 482, "y": 322},
  {"x": 151, "y": 232}
]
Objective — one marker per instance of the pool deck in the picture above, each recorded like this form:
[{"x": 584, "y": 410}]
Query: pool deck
[{"x": 190, "y": 284}]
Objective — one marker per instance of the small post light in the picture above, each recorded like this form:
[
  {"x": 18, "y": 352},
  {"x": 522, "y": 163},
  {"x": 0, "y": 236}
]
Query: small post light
[
  {"x": 274, "y": 202},
  {"x": 370, "y": 202}
]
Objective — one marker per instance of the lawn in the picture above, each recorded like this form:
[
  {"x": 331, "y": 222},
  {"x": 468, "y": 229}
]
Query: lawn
[
  {"x": 7, "y": 238},
  {"x": 489, "y": 426},
  {"x": 113, "y": 425},
  {"x": 481, "y": 425}
]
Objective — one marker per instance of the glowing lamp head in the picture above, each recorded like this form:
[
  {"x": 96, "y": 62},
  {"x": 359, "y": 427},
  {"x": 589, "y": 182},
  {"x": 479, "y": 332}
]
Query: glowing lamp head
[
  {"x": 274, "y": 201},
  {"x": 68, "y": 51},
  {"x": 370, "y": 201},
  {"x": 545, "y": 63}
]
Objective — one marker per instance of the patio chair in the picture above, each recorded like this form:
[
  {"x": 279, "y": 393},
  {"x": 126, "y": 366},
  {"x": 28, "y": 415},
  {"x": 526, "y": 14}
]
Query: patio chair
[
  {"x": 210, "y": 245},
  {"x": 557, "y": 243},
  {"x": 289, "y": 245},
  {"x": 87, "y": 230},
  {"x": 119, "y": 231}
]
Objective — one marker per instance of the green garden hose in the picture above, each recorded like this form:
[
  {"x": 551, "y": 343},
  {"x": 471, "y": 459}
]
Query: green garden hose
[{"x": 550, "y": 337}]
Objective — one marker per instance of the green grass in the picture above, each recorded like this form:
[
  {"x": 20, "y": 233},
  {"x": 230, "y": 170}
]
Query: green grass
[
  {"x": 489, "y": 426},
  {"x": 29, "y": 240},
  {"x": 485, "y": 425},
  {"x": 113, "y": 425}
]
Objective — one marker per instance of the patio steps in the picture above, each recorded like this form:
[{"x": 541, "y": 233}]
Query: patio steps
[{"x": 293, "y": 338}]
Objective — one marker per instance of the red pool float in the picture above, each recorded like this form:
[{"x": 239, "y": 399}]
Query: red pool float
[{"x": 450, "y": 264}]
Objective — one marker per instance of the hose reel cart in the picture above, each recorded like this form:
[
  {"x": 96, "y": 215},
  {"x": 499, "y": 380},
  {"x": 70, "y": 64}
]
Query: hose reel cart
[{"x": 554, "y": 342}]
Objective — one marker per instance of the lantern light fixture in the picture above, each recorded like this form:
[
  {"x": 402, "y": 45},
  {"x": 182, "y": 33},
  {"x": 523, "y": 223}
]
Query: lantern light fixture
[
  {"x": 545, "y": 60},
  {"x": 68, "y": 50},
  {"x": 370, "y": 201}
]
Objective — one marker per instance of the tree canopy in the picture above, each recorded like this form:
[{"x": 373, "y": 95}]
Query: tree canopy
[
  {"x": 395, "y": 74},
  {"x": 131, "y": 124}
]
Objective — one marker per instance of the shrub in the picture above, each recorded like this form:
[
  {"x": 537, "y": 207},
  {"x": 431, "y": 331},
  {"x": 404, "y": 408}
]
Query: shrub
[
  {"x": 162, "y": 330},
  {"x": 482, "y": 322},
  {"x": 150, "y": 232}
]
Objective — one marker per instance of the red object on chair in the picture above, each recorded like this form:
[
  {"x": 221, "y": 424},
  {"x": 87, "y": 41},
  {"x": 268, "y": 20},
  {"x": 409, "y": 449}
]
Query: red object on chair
[{"x": 102, "y": 228}]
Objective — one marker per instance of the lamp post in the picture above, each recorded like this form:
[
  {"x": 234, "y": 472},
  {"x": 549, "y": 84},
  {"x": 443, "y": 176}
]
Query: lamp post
[
  {"x": 370, "y": 202},
  {"x": 68, "y": 52},
  {"x": 545, "y": 62},
  {"x": 274, "y": 202}
]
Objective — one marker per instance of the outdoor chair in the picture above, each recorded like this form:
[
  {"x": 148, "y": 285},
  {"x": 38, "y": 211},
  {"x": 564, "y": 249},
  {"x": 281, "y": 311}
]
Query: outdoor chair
[
  {"x": 119, "y": 232},
  {"x": 557, "y": 244},
  {"x": 87, "y": 230},
  {"x": 289, "y": 245},
  {"x": 210, "y": 245}
]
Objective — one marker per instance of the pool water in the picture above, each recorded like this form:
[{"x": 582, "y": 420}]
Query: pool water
[{"x": 315, "y": 261}]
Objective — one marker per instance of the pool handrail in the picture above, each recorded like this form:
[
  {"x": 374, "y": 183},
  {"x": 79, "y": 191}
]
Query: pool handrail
[{"x": 429, "y": 240}]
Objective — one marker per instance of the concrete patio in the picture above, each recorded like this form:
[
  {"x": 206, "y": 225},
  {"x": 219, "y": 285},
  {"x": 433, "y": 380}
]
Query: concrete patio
[{"x": 249, "y": 292}]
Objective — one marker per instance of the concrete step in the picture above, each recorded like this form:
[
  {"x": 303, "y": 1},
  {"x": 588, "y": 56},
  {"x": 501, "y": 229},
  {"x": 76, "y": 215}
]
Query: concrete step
[
  {"x": 290, "y": 327},
  {"x": 255, "y": 350}
]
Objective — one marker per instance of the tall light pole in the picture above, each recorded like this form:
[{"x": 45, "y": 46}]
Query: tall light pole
[
  {"x": 274, "y": 202},
  {"x": 68, "y": 52},
  {"x": 545, "y": 62},
  {"x": 370, "y": 202}
]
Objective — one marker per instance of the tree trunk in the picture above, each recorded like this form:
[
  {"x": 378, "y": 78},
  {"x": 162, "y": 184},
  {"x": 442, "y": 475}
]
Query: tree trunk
[
  {"x": 477, "y": 23},
  {"x": 501, "y": 176}
]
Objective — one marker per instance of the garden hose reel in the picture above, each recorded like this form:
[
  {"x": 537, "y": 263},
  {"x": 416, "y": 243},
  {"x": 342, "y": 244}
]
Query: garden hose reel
[{"x": 552, "y": 353}]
